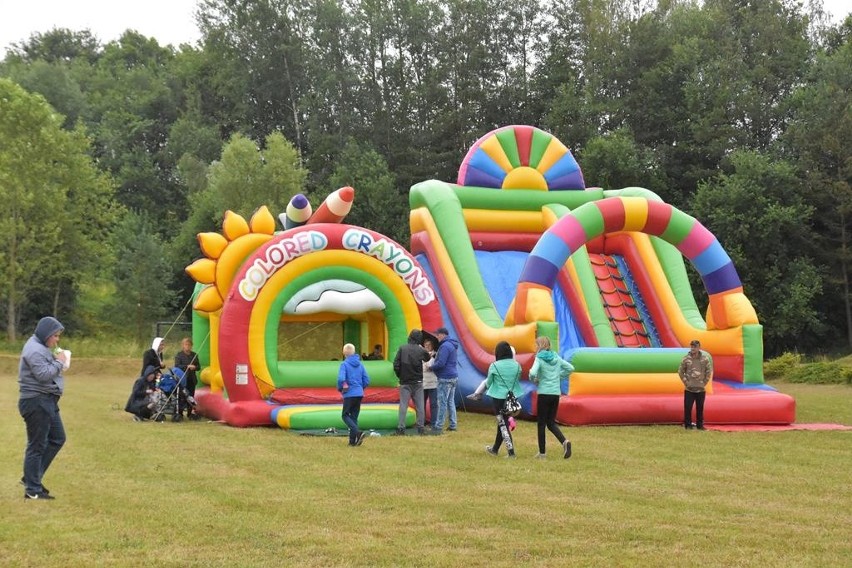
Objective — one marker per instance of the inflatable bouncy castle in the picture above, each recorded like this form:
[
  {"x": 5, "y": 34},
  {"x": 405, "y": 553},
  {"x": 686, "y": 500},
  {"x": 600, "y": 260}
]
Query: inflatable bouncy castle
[{"x": 517, "y": 247}]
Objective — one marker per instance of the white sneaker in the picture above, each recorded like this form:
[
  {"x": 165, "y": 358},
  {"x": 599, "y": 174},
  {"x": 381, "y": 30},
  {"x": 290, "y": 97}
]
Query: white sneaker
[{"x": 540, "y": 456}]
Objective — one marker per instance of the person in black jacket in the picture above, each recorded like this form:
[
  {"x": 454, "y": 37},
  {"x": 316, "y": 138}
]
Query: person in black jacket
[
  {"x": 187, "y": 361},
  {"x": 408, "y": 367},
  {"x": 138, "y": 404},
  {"x": 154, "y": 355}
]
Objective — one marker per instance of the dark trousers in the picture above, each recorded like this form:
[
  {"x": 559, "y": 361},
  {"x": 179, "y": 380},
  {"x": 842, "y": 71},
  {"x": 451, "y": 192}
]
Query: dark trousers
[
  {"x": 689, "y": 399},
  {"x": 502, "y": 427},
  {"x": 45, "y": 437},
  {"x": 547, "y": 406},
  {"x": 431, "y": 395},
  {"x": 351, "y": 410}
]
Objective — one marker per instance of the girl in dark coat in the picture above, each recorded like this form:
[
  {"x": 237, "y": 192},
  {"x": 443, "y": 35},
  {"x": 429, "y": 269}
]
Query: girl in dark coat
[{"x": 140, "y": 396}]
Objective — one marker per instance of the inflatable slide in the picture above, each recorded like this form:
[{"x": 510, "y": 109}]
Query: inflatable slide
[{"x": 517, "y": 247}]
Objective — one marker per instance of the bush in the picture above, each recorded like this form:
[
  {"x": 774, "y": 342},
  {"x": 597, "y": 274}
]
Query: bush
[
  {"x": 782, "y": 366},
  {"x": 821, "y": 373}
]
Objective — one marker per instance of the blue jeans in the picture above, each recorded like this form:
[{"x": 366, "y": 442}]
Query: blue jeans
[
  {"x": 446, "y": 403},
  {"x": 351, "y": 410},
  {"x": 45, "y": 437}
]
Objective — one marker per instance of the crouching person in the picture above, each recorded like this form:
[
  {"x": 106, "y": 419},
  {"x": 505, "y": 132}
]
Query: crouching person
[{"x": 141, "y": 403}]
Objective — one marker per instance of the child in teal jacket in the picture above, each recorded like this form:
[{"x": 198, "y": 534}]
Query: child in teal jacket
[
  {"x": 547, "y": 372},
  {"x": 503, "y": 376}
]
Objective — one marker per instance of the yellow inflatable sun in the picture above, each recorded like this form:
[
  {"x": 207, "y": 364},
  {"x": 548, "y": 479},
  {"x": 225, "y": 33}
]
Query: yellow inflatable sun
[{"x": 225, "y": 253}]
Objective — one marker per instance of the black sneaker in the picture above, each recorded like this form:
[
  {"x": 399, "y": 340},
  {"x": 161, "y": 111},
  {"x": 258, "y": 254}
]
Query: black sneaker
[
  {"x": 41, "y": 495},
  {"x": 360, "y": 439},
  {"x": 399, "y": 432},
  {"x": 566, "y": 449},
  {"x": 43, "y": 488}
]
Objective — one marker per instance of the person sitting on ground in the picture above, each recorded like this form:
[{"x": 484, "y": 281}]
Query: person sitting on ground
[{"x": 141, "y": 401}]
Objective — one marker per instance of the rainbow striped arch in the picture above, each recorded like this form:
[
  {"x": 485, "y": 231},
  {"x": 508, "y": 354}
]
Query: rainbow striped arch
[
  {"x": 520, "y": 157},
  {"x": 616, "y": 214}
]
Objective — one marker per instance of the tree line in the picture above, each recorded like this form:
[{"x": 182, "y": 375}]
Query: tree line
[{"x": 113, "y": 156}]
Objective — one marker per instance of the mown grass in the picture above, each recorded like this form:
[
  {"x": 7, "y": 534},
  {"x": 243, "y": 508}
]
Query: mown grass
[{"x": 203, "y": 494}]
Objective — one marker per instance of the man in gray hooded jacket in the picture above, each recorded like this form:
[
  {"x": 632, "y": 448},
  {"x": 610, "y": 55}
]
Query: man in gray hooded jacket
[{"x": 41, "y": 385}]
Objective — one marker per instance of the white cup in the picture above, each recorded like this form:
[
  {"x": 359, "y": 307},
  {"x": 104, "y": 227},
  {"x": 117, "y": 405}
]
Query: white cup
[{"x": 67, "y": 362}]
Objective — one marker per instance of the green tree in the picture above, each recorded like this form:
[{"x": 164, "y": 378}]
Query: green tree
[
  {"x": 56, "y": 83},
  {"x": 616, "y": 161},
  {"x": 378, "y": 205},
  {"x": 819, "y": 140},
  {"x": 248, "y": 177},
  {"x": 55, "y": 207},
  {"x": 142, "y": 276},
  {"x": 57, "y": 45},
  {"x": 759, "y": 215},
  {"x": 696, "y": 82},
  {"x": 261, "y": 49}
]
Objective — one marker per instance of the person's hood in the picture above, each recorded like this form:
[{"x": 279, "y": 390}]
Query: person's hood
[
  {"x": 547, "y": 356},
  {"x": 155, "y": 345},
  {"x": 46, "y": 327},
  {"x": 416, "y": 336},
  {"x": 451, "y": 340},
  {"x": 149, "y": 370},
  {"x": 353, "y": 360}
]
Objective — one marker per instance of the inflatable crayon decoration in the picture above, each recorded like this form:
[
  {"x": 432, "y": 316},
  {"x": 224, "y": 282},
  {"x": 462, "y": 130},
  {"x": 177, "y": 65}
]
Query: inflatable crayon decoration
[
  {"x": 297, "y": 213},
  {"x": 335, "y": 207}
]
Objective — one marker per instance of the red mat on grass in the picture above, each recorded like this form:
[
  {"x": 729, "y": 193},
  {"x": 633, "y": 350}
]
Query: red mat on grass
[{"x": 773, "y": 427}]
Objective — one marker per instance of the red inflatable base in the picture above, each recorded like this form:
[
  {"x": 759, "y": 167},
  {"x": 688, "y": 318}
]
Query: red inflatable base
[
  {"x": 725, "y": 406},
  {"x": 241, "y": 414},
  {"x": 332, "y": 396}
]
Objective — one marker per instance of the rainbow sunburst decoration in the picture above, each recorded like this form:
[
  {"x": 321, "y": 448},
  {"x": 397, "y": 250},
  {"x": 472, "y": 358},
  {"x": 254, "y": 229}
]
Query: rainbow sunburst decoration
[{"x": 520, "y": 157}]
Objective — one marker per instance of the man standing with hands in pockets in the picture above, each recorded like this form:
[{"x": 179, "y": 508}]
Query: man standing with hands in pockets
[
  {"x": 696, "y": 370},
  {"x": 445, "y": 367}
]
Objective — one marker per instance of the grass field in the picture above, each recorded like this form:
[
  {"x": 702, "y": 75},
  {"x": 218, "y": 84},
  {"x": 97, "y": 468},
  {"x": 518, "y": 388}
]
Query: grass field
[{"x": 203, "y": 494}]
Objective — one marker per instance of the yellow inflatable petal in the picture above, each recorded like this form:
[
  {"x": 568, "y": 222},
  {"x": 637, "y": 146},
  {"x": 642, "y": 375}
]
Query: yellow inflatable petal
[
  {"x": 202, "y": 270},
  {"x": 262, "y": 221},
  {"x": 212, "y": 244},
  {"x": 208, "y": 300},
  {"x": 234, "y": 226}
]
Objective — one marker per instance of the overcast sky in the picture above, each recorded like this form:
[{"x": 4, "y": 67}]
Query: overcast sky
[{"x": 169, "y": 21}]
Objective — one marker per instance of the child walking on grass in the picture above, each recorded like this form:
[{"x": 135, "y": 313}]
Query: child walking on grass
[
  {"x": 352, "y": 379},
  {"x": 547, "y": 372}
]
